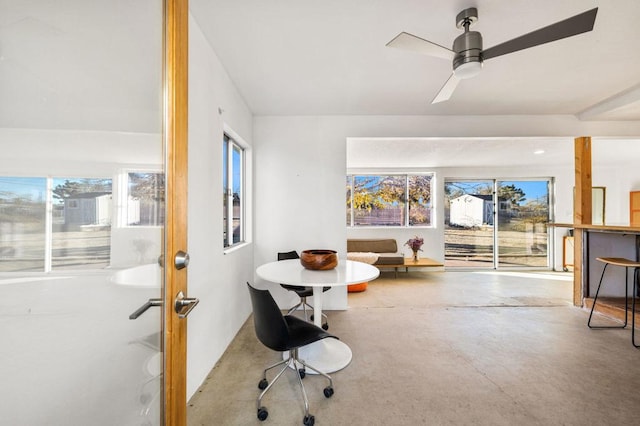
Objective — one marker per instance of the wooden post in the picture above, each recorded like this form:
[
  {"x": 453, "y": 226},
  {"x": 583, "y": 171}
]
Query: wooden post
[{"x": 582, "y": 206}]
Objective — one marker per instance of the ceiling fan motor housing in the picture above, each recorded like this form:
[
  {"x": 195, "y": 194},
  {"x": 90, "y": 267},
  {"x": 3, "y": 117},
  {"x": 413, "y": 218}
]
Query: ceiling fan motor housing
[{"x": 467, "y": 61}]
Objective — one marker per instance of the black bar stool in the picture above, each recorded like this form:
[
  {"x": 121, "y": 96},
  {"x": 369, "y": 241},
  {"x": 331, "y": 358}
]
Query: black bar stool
[{"x": 626, "y": 263}]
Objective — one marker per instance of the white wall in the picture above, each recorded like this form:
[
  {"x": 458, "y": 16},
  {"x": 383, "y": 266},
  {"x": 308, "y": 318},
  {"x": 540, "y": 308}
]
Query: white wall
[
  {"x": 300, "y": 185},
  {"x": 301, "y": 168},
  {"x": 216, "y": 278},
  {"x": 618, "y": 179},
  {"x": 76, "y": 153}
]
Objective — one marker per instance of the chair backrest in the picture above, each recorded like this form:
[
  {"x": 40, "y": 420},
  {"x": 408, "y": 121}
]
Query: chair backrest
[
  {"x": 271, "y": 328},
  {"x": 288, "y": 255}
]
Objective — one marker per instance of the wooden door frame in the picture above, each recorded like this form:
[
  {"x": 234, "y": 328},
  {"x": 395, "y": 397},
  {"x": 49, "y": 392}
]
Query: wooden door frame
[{"x": 175, "y": 106}]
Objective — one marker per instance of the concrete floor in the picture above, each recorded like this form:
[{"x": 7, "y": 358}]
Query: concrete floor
[{"x": 445, "y": 348}]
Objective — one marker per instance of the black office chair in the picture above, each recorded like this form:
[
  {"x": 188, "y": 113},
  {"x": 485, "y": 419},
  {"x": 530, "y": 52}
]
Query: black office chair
[
  {"x": 284, "y": 333},
  {"x": 302, "y": 292}
]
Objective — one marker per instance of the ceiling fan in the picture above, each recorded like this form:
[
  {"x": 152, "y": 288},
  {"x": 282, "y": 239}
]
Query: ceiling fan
[{"x": 467, "y": 54}]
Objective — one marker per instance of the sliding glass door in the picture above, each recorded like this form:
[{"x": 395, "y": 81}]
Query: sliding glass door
[
  {"x": 497, "y": 223},
  {"x": 523, "y": 215},
  {"x": 469, "y": 220}
]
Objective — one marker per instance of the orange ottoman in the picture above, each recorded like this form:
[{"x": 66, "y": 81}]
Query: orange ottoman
[{"x": 356, "y": 288}]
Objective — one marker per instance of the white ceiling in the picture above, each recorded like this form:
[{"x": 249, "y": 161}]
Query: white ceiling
[
  {"x": 420, "y": 153},
  {"x": 303, "y": 57}
]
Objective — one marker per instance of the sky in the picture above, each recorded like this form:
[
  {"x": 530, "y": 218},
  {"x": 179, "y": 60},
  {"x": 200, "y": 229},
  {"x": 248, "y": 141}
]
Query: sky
[
  {"x": 532, "y": 189},
  {"x": 34, "y": 188}
]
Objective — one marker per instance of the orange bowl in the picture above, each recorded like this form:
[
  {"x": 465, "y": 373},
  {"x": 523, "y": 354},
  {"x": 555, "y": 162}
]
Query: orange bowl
[{"x": 319, "y": 260}]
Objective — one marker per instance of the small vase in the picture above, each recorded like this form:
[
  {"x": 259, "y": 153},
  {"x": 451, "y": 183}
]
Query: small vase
[{"x": 415, "y": 255}]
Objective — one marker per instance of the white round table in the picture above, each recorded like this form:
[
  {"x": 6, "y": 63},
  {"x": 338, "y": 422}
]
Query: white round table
[{"x": 327, "y": 355}]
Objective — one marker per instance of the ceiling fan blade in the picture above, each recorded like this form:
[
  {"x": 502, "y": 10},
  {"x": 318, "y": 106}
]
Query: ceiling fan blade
[
  {"x": 413, "y": 43},
  {"x": 575, "y": 25},
  {"x": 447, "y": 90}
]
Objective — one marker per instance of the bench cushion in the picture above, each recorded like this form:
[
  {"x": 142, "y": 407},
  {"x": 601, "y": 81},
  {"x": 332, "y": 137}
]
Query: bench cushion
[
  {"x": 386, "y": 248},
  {"x": 375, "y": 245}
]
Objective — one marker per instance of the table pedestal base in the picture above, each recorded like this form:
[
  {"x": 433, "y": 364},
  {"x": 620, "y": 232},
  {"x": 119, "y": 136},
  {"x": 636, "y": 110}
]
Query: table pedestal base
[{"x": 327, "y": 355}]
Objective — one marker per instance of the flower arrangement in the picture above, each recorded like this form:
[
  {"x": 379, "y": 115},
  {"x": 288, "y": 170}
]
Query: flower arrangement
[{"x": 415, "y": 243}]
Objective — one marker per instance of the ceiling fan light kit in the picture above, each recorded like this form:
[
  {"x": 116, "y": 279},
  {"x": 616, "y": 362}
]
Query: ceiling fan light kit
[
  {"x": 467, "y": 55},
  {"x": 468, "y": 69}
]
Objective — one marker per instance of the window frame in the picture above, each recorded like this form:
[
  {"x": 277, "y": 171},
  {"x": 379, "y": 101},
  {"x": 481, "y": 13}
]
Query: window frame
[{"x": 351, "y": 178}]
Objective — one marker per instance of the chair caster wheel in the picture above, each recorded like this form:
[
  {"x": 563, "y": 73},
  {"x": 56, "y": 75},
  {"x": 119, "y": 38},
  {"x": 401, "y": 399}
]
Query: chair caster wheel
[
  {"x": 325, "y": 326},
  {"x": 302, "y": 373},
  {"x": 263, "y": 384},
  {"x": 308, "y": 420},
  {"x": 328, "y": 391},
  {"x": 262, "y": 414}
]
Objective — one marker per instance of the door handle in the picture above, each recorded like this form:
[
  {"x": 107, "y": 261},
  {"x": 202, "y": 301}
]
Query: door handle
[
  {"x": 184, "y": 305},
  {"x": 181, "y": 260},
  {"x": 142, "y": 309}
]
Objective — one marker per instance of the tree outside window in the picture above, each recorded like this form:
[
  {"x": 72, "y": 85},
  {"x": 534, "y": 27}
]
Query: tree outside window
[
  {"x": 145, "y": 199},
  {"x": 389, "y": 200}
]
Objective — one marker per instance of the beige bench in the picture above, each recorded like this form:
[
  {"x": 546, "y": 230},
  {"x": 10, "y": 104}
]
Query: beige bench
[
  {"x": 387, "y": 253},
  {"x": 386, "y": 249}
]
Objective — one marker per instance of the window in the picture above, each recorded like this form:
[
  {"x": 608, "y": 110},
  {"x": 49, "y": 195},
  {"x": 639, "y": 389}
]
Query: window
[
  {"x": 145, "y": 199},
  {"x": 22, "y": 223},
  {"x": 389, "y": 200},
  {"x": 81, "y": 223},
  {"x": 232, "y": 191},
  {"x": 74, "y": 233}
]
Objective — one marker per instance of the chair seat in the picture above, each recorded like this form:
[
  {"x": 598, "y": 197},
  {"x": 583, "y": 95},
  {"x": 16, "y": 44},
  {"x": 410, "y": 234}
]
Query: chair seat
[
  {"x": 302, "y": 291},
  {"x": 302, "y": 332},
  {"x": 620, "y": 261}
]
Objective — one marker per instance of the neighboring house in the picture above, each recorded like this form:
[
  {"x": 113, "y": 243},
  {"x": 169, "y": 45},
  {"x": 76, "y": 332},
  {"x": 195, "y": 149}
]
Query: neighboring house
[
  {"x": 471, "y": 210},
  {"x": 133, "y": 210},
  {"x": 90, "y": 208}
]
